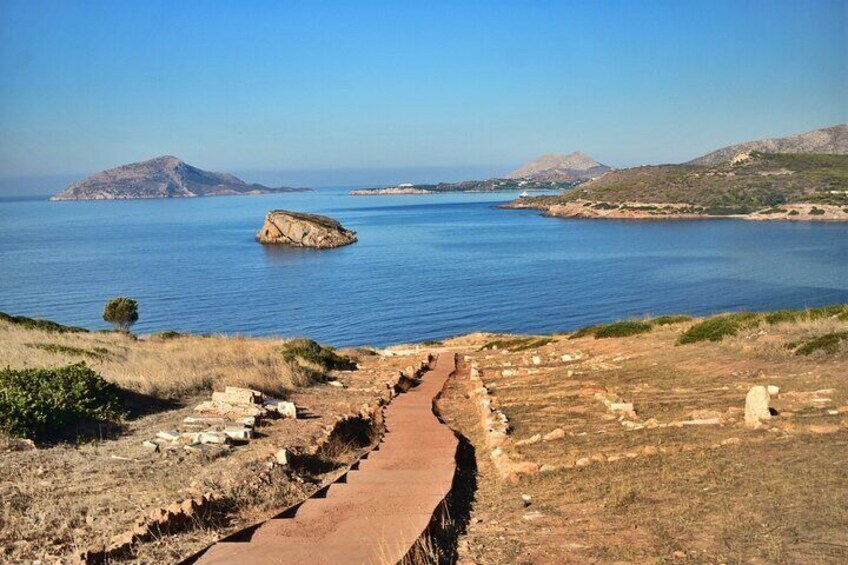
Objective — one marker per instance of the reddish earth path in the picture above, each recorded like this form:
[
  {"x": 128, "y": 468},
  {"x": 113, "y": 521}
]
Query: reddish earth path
[{"x": 375, "y": 513}]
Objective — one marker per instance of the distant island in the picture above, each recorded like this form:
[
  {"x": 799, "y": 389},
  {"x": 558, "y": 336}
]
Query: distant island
[
  {"x": 548, "y": 172},
  {"x": 162, "y": 177},
  {"x": 806, "y": 180},
  {"x": 296, "y": 229}
]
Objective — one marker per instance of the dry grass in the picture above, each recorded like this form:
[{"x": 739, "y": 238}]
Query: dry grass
[
  {"x": 66, "y": 497},
  {"x": 164, "y": 368},
  {"x": 666, "y": 491}
]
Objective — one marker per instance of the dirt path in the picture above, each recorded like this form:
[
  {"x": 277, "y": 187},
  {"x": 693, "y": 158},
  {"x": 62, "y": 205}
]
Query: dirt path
[{"x": 375, "y": 513}]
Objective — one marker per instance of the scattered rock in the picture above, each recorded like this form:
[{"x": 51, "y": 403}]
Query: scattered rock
[
  {"x": 170, "y": 435},
  {"x": 558, "y": 433},
  {"x": 526, "y": 499},
  {"x": 702, "y": 422},
  {"x": 282, "y": 457},
  {"x": 529, "y": 441},
  {"x": 773, "y": 390},
  {"x": 583, "y": 462},
  {"x": 531, "y": 516},
  {"x": 823, "y": 428}
]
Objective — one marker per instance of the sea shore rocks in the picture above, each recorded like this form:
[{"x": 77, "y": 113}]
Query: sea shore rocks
[{"x": 296, "y": 229}]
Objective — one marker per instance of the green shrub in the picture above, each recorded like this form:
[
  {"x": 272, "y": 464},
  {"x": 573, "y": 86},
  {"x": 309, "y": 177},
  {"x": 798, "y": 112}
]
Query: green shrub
[
  {"x": 716, "y": 328},
  {"x": 622, "y": 328},
  {"x": 832, "y": 311},
  {"x": 55, "y": 402},
  {"x": 584, "y": 332},
  {"x": 43, "y": 325},
  {"x": 94, "y": 353},
  {"x": 668, "y": 320},
  {"x": 829, "y": 343},
  {"x": 431, "y": 343},
  {"x": 313, "y": 352},
  {"x": 793, "y": 213},
  {"x": 168, "y": 334},
  {"x": 122, "y": 312},
  {"x": 816, "y": 211},
  {"x": 517, "y": 344}
]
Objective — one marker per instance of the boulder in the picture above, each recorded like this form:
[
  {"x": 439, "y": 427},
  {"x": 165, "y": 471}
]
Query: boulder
[
  {"x": 757, "y": 406},
  {"x": 304, "y": 230}
]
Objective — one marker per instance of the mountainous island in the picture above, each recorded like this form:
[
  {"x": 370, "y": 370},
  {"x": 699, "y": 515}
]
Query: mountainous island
[
  {"x": 162, "y": 177},
  {"x": 807, "y": 179},
  {"x": 548, "y": 172},
  {"x": 297, "y": 229}
]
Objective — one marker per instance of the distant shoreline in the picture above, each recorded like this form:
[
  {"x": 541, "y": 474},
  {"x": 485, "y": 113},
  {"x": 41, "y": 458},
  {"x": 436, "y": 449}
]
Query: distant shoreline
[{"x": 661, "y": 211}]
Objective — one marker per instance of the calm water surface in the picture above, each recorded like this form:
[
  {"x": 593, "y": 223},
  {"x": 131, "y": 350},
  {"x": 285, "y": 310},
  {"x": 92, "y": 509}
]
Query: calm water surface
[{"x": 425, "y": 267}]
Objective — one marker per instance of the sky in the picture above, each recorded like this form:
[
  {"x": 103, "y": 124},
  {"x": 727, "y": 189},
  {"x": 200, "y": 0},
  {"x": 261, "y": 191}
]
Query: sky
[{"x": 441, "y": 86}]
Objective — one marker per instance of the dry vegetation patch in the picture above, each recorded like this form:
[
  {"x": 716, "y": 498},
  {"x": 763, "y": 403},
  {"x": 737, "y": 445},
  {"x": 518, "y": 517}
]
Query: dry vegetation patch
[
  {"x": 63, "y": 498},
  {"x": 643, "y": 452}
]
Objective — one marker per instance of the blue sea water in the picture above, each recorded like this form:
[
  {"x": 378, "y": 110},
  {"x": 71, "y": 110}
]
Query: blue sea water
[{"x": 425, "y": 267}]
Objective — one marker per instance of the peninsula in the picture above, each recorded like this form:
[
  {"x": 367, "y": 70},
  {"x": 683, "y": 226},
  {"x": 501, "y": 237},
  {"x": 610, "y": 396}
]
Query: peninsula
[
  {"x": 807, "y": 180},
  {"x": 162, "y": 177}
]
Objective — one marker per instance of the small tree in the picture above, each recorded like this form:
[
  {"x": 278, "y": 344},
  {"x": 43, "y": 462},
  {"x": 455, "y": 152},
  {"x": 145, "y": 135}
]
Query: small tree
[{"x": 122, "y": 312}]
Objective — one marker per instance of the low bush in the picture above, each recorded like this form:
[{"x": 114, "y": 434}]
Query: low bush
[
  {"x": 816, "y": 211},
  {"x": 829, "y": 343},
  {"x": 43, "y": 325},
  {"x": 615, "y": 329},
  {"x": 302, "y": 349},
  {"x": 55, "y": 403},
  {"x": 718, "y": 327},
  {"x": 517, "y": 344},
  {"x": 622, "y": 329},
  {"x": 839, "y": 311},
  {"x": 168, "y": 334},
  {"x": 668, "y": 320}
]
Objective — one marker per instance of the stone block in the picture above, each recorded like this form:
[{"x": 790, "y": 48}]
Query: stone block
[
  {"x": 757, "y": 406},
  {"x": 169, "y": 435}
]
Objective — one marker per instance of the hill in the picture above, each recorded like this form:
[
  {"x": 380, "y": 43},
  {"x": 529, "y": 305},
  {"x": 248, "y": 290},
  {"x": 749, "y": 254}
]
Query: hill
[
  {"x": 832, "y": 141},
  {"x": 754, "y": 185},
  {"x": 548, "y": 172},
  {"x": 162, "y": 177},
  {"x": 564, "y": 168}
]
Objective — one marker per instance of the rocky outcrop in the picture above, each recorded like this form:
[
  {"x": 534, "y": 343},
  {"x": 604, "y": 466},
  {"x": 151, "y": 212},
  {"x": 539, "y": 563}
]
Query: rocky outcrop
[
  {"x": 162, "y": 177},
  {"x": 562, "y": 168},
  {"x": 832, "y": 140},
  {"x": 304, "y": 230}
]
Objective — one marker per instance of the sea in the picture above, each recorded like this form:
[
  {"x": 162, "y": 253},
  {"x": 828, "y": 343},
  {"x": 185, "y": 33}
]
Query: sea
[{"x": 425, "y": 267}]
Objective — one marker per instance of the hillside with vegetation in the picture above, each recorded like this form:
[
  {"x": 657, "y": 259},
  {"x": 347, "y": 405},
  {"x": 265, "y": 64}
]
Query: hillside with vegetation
[
  {"x": 754, "y": 185},
  {"x": 831, "y": 141}
]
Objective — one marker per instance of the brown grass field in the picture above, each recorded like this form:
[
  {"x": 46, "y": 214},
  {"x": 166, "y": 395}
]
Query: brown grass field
[
  {"x": 680, "y": 478},
  {"x": 61, "y": 499},
  {"x": 649, "y": 487}
]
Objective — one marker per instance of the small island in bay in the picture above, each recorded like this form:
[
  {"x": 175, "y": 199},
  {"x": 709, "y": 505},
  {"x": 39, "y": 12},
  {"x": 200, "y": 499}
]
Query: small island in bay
[
  {"x": 297, "y": 229},
  {"x": 548, "y": 172},
  {"x": 803, "y": 177},
  {"x": 162, "y": 177}
]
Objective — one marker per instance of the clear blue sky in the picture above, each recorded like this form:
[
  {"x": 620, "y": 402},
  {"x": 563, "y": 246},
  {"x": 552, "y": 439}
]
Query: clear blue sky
[{"x": 252, "y": 86}]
